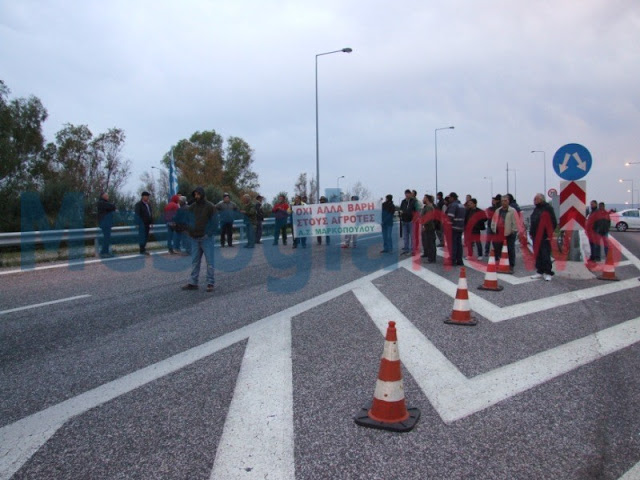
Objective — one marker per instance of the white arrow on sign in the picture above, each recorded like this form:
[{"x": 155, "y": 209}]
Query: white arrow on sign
[{"x": 565, "y": 164}]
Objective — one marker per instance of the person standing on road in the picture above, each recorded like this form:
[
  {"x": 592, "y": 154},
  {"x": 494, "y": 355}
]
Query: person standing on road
[
  {"x": 259, "y": 218},
  {"x": 352, "y": 237},
  {"x": 408, "y": 209},
  {"x": 456, "y": 213},
  {"x": 297, "y": 201},
  {"x": 280, "y": 212},
  {"x": 388, "y": 212},
  {"x": 506, "y": 227},
  {"x": 323, "y": 199},
  {"x": 495, "y": 204},
  {"x": 250, "y": 217},
  {"x": 181, "y": 220},
  {"x": 542, "y": 225},
  {"x": 201, "y": 229},
  {"x": 439, "y": 205},
  {"x": 105, "y": 221},
  {"x": 227, "y": 211},
  {"x": 144, "y": 218},
  {"x": 594, "y": 243},
  {"x": 169, "y": 217},
  {"x": 474, "y": 223},
  {"x": 602, "y": 227},
  {"x": 428, "y": 230}
]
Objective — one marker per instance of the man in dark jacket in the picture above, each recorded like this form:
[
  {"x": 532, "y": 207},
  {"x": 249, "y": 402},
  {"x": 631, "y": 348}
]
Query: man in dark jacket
[
  {"x": 388, "y": 212},
  {"x": 408, "y": 210},
  {"x": 105, "y": 222},
  {"x": 228, "y": 212},
  {"x": 474, "y": 223},
  {"x": 542, "y": 224},
  {"x": 201, "y": 230},
  {"x": 144, "y": 218},
  {"x": 280, "y": 212},
  {"x": 428, "y": 229},
  {"x": 456, "y": 213}
]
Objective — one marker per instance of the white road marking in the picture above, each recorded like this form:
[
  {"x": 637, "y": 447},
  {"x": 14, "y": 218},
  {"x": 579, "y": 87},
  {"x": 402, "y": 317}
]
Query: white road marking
[
  {"x": 632, "y": 474},
  {"x": 19, "y": 440},
  {"x": 257, "y": 441},
  {"x": 453, "y": 395},
  {"x": 441, "y": 381},
  {"x": 72, "y": 264},
  {"x": 495, "y": 314},
  {"x": 43, "y": 304}
]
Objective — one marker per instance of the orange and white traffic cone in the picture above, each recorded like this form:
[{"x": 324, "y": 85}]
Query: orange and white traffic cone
[
  {"x": 503, "y": 266},
  {"x": 491, "y": 277},
  {"x": 461, "y": 314},
  {"x": 388, "y": 410},
  {"x": 609, "y": 269}
]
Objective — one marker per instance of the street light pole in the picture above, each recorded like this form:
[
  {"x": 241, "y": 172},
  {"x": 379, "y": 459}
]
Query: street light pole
[
  {"x": 435, "y": 134},
  {"x": 338, "y": 182},
  {"x": 544, "y": 169},
  {"x": 345, "y": 50}
]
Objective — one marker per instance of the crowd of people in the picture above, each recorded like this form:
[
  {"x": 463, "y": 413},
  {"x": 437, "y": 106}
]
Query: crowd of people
[{"x": 441, "y": 222}]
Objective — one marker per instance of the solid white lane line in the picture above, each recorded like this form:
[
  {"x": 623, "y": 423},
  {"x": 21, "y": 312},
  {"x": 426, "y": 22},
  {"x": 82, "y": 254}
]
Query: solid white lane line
[
  {"x": 257, "y": 440},
  {"x": 16, "y": 448},
  {"x": 43, "y": 304},
  {"x": 454, "y": 396},
  {"x": 70, "y": 264}
]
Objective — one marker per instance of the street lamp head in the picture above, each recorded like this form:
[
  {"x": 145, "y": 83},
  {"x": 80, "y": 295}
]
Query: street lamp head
[
  {"x": 347, "y": 50},
  {"x": 452, "y": 127}
]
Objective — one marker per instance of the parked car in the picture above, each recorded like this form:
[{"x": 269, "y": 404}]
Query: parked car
[{"x": 625, "y": 219}]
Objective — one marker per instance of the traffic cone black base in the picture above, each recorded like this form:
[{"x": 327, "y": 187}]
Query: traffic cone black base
[
  {"x": 363, "y": 419},
  {"x": 499, "y": 288},
  {"x": 468, "y": 323}
]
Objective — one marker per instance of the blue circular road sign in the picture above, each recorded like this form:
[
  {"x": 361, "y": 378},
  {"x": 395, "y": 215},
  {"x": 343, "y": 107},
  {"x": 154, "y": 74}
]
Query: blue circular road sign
[{"x": 572, "y": 161}]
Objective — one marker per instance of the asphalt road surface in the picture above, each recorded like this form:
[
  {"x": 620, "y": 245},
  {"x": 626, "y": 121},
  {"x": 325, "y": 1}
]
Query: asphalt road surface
[{"x": 109, "y": 370}]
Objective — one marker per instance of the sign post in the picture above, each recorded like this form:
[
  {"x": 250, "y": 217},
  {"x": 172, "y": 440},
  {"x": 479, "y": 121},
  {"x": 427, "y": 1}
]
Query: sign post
[{"x": 572, "y": 162}]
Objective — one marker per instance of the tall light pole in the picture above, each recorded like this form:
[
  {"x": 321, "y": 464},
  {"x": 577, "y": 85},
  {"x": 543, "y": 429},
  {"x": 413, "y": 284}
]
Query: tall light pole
[
  {"x": 435, "y": 134},
  {"x": 544, "y": 169},
  {"x": 491, "y": 180},
  {"x": 338, "y": 182},
  {"x": 625, "y": 180},
  {"x": 345, "y": 50}
]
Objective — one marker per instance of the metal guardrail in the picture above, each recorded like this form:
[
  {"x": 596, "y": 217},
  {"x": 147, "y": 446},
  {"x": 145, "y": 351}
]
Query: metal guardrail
[{"x": 45, "y": 237}]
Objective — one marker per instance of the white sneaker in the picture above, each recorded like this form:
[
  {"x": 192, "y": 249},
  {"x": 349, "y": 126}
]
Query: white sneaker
[
  {"x": 536, "y": 276},
  {"x": 547, "y": 278}
]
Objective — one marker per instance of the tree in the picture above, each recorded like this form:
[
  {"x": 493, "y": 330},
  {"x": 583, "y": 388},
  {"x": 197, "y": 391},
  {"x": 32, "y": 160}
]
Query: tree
[
  {"x": 21, "y": 138},
  {"x": 203, "y": 160},
  {"x": 359, "y": 190},
  {"x": 304, "y": 188}
]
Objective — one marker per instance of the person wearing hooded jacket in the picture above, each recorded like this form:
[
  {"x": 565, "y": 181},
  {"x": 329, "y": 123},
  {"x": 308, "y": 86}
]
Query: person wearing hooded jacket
[
  {"x": 201, "y": 230},
  {"x": 169, "y": 217}
]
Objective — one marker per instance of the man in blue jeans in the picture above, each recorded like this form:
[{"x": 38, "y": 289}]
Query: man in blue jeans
[{"x": 201, "y": 230}]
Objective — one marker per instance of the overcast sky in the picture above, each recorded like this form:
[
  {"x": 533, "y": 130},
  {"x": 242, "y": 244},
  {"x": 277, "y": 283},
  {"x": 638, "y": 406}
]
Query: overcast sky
[{"x": 511, "y": 76}]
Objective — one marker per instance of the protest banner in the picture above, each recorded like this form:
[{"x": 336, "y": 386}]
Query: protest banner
[{"x": 345, "y": 218}]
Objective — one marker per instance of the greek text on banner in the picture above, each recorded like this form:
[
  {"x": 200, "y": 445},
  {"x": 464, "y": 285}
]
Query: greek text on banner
[{"x": 346, "y": 218}]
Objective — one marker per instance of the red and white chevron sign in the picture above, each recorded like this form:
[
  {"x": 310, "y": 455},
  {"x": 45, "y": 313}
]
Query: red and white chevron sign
[{"x": 573, "y": 204}]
